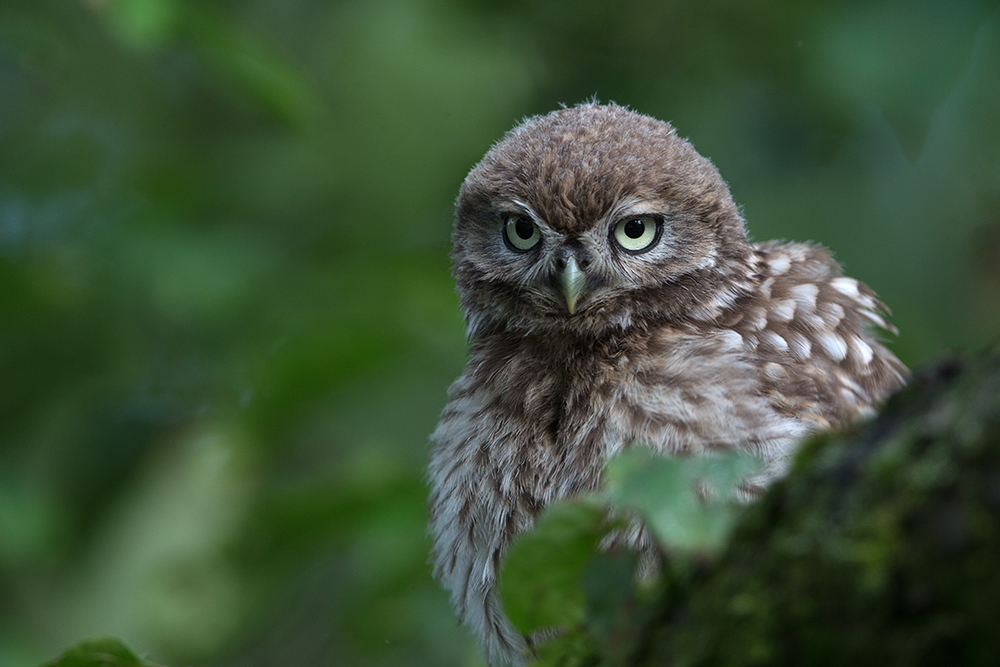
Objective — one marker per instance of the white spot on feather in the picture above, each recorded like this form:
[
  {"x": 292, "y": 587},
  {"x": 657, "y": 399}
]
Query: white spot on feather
[
  {"x": 756, "y": 319},
  {"x": 832, "y": 314},
  {"x": 805, "y": 295},
  {"x": 724, "y": 299},
  {"x": 862, "y": 350},
  {"x": 765, "y": 287},
  {"x": 812, "y": 321},
  {"x": 848, "y": 396},
  {"x": 774, "y": 340},
  {"x": 774, "y": 371},
  {"x": 800, "y": 346},
  {"x": 783, "y": 311},
  {"x": 846, "y": 286},
  {"x": 779, "y": 264},
  {"x": 833, "y": 345},
  {"x": 733, "y": 340}
]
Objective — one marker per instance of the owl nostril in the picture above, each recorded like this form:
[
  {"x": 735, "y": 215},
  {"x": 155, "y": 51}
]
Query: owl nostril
[{"x": 571, "y": 250}]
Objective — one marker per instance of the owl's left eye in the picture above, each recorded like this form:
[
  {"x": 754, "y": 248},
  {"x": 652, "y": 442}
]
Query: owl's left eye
[
  {"x": 636, "y": 235},
  {"x": 521, "y": 233}
]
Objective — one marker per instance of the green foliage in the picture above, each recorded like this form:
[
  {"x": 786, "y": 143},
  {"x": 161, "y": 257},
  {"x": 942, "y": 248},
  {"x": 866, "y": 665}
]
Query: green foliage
[
  {"x": 239, "y": 57},
  {"x": 98, "y": 652},
  {"x": 542, "y": 575},
  {"x": 686, "y": 502},
  {"x": 576, "y": 601},
  {"x": 557, "y": 577}
]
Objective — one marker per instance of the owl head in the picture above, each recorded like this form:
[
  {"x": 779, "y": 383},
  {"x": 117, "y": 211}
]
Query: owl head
[{"x": 592, "y": 219}]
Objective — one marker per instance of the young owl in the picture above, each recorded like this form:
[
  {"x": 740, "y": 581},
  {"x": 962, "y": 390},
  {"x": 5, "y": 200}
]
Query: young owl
[{"x": 612, "y": 297}]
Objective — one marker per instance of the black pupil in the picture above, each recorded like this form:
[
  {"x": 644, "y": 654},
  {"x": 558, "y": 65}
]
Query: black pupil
[
  {"x": 634, "y": 228},
  {"x": 524, "y": 229}
]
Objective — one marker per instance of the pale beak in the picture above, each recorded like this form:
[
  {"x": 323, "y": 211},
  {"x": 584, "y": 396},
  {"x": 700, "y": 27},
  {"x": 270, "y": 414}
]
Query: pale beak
[{"x": 572, "y": 280}]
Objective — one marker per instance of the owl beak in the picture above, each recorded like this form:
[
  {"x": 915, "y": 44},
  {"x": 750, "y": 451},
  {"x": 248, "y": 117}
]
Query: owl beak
[{"x": 572, "y": 280}]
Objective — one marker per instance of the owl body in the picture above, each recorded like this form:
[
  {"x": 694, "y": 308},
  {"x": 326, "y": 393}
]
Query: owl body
[{"x": 612, "y": 297}]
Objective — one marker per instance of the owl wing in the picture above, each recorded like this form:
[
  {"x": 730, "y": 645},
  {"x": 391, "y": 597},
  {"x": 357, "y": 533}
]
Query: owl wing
[{"x": 811, "y": 330}]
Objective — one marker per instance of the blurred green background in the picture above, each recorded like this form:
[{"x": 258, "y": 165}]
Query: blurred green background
[{"x": 226, "y": 318}]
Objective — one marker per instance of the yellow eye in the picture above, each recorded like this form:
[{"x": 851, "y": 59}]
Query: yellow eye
[
  {"x": 636, "y": 235},
  {"x": 521, "y": 232}
]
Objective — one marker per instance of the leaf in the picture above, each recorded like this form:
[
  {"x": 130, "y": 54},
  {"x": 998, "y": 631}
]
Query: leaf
[
  {"x": 98, "y": 652},
  {"x": 615, "y": 614},
  {"x": 143, "y": 23},
  {"x": 541, "y": 582},
  {"x": 250, "y": 64},
  {"x": 239, "y": 57},
  {"x": 665, "y": 491}
]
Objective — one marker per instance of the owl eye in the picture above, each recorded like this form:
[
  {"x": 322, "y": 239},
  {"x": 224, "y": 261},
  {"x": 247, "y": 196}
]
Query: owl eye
[
  {"x": 521, "y": 233},
  {"x": 636, "y": 235}
]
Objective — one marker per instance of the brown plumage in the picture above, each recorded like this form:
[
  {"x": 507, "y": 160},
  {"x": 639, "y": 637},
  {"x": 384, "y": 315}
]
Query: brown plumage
[{"x": 612, "y": 297}]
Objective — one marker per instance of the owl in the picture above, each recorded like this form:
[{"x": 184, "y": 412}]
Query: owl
[{"x": 611, "y": 297}]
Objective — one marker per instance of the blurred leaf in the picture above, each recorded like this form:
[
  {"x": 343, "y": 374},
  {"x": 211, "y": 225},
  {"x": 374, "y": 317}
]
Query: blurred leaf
[
  {"x": 541, "y": 581},
  {"x": 156, "y": 570},
  {"x": 901, "y": 61},
  {"x": 685, "y": 501},
  {"x": 29, "y": 520},
  {"x": 615, "y": 615},
  {"x": 98, "y": 652},
  {"x": 143, "y": 23},
  {"x": 240, "y": 58},
  {"x": 255, "y": 68}
]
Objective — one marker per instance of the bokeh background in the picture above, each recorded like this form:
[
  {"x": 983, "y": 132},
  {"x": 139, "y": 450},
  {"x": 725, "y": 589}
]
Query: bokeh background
[{"x": 227, "y": 323}]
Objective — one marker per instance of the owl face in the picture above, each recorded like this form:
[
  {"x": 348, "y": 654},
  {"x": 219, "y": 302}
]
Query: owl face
[{"x": 589, "y": 219}]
